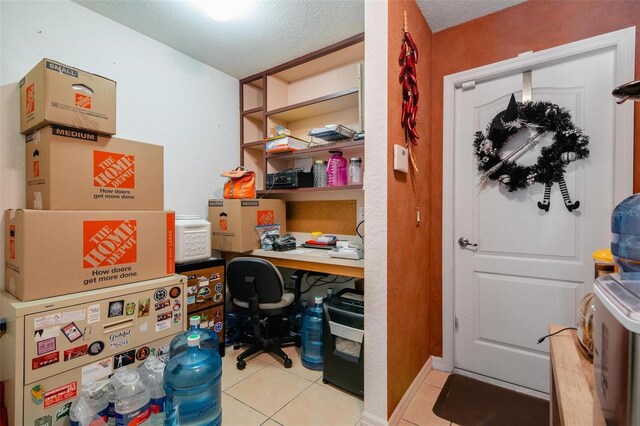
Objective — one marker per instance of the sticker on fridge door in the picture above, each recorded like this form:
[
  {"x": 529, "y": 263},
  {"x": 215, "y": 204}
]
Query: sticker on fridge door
[
  {"x": 142, "y": 353},
  {"x": 160, "y": 295},
  {"x": 143, "y": 307},
  {"x": 47, "y": 321},
  {"x": 46, "y": 333},
  {"x": 162, "y": 305},
  {"x": 124, "y": 358},
  {"x": 78, "y": 315},
  {"x": 72, "y": 332},
  {"x": 76, "y": 352},
  {"x": 60, "y": 394},
  {"x": 175, "y": 292},
  {"x": 93, "y": 313},
  {"x": 43, "y": 421},
  {"x": 63, "y": 411},
  {"x": 37, "y": 394},
  {"x": 45, "y": 346},
  {"x": 95, "y": 348},
  {"x": 44, "y": 360},
  {"x": 163, "y": 325},
  {"x": 130, "y": 309},
  {"x": 116, "y": 308},
  {"x": 97, "y": 370}
]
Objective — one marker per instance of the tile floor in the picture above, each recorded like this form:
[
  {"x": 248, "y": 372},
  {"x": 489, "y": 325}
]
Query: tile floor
[{"x": 267, "y": 394}]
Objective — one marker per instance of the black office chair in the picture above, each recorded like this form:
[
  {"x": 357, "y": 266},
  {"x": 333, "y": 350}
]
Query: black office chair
[{"x": 257, "y": 289}]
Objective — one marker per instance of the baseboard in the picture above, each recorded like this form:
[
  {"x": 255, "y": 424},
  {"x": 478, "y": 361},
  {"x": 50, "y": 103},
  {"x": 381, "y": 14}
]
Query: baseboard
[
  {"x": 436, "y": 363},
  {"x": 403, "y": 405},
  {"x": 371, "y": 420}
]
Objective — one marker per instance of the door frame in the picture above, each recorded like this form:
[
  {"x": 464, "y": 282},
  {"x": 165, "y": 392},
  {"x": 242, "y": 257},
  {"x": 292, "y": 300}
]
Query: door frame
[{"x": 623, "y": 42}]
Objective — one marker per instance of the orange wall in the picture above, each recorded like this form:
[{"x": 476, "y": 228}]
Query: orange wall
[
  {"x": 409, "y": 326},
  {"x": 533, "y": 25}
]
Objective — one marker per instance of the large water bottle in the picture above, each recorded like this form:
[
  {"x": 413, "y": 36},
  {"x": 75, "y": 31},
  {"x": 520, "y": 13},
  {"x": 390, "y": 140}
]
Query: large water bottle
[
  {"x": 132, "y": 400},
  {"x": 625, "y": 234},
  {"x": 208, "y": 339},
  {"x": 337, "y": 169},
  {"x": 312, "y": 336},
  {"x": 192, "y": 383},
  {"x": 91, "y": 406},
  {"x": 151, "y": 374},
  {"x": 295, "y": 318},
  {"x": 114, "y": 382}
]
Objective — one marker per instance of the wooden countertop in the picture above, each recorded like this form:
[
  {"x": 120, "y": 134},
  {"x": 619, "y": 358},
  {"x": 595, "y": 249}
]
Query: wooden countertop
[{"x": 573, "y": 399}]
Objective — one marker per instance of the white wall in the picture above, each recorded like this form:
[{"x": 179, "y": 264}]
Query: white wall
[
  {"x": 375, "y": 263},
  {"x": 163, "y": 97}
]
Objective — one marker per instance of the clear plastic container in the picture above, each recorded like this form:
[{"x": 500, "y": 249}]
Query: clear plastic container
[
  {"x": 208, "y": 339},
  {"x": 319, "y": 173},
  {"x": 193, "y": 238},
  {"x": 625, "y": 234},
  {"x": 311, "y": 336},
  {"x": 192, "y": 383},
  {"x": 132, "y": 400},
  {"x": 151, "y": 373},
  {"x": 92, "y": 405},
  {"x": 355, "y": 171},
  {"x": 337, "y": 169}
]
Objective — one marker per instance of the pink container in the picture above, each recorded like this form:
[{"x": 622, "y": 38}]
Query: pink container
[{"x": 336, "y": 169}]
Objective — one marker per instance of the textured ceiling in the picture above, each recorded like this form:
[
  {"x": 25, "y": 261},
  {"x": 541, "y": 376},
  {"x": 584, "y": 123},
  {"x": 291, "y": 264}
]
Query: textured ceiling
[
  {"x": 442, "y": 14},
  {"x": 274, "y": 32}
]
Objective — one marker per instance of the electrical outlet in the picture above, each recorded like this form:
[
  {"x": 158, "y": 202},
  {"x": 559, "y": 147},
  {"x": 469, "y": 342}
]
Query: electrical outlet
[
  {"x": 360, "y": 213},
  {"x": 400, "y": 158}
]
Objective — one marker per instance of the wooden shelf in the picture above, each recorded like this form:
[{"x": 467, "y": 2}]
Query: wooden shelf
[
  {"x": 311, "y": 189},
  {"x": 345, "y": 147},
  {"x": 255, "y": 113},
  {"x": 254, "y": 145},
  {"x": 334, "y": 102}
]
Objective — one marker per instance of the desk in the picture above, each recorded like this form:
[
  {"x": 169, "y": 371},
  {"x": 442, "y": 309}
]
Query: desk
[
  {"x": 316, "y": 260},
  {"x": 572, "y": 399}
]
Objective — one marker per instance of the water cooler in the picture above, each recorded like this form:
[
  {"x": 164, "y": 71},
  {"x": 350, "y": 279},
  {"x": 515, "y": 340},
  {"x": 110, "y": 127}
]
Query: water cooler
[{"x": 343, "y": 340}]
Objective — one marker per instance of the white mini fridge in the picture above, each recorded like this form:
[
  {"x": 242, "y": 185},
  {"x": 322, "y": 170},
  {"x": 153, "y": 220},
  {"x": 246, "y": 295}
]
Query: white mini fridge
[{"x": 54, "y": 345}]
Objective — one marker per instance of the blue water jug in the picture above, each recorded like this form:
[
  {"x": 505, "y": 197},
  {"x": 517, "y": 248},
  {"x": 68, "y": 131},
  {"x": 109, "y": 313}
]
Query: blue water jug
[
  {"x": 208, "y": 339},
  {"x": 625, "y": 234},
  {"x": 192, "y": 383},
  {"x": 311, "y": 335}
]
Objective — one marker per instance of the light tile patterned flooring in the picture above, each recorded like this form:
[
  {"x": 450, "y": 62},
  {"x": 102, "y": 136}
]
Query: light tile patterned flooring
[{"x": 267, "y": 394}]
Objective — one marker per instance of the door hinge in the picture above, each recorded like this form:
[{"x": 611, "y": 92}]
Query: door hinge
[
  {"x": 455, "y": 325},
  {"x": 468, "y": 85}
]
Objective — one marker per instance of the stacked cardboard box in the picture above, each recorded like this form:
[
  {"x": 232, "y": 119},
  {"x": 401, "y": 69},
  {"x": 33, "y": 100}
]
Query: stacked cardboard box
[{"x": 95, "y": 203}]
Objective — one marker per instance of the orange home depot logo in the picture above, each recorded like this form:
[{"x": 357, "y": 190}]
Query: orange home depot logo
[
  {"x": 107, "y": 243},
  {"x": 36, "y": 168},
  {"x": 31, "y": 99},
  {"x": 83, "y": 101},
  {"x": 265, "y": 217},
  {"x": 12, "y": 242},
  {"x": 113, "y": 170}
]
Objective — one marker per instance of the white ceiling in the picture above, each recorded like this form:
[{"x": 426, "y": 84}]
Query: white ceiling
[{"x": 275, "y": 32}]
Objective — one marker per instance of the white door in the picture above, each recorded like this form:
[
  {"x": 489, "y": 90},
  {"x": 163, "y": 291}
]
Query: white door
[{"x": 531, "y": 267}]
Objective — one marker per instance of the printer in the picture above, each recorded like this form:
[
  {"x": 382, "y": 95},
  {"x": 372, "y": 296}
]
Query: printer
[{"x": 343, "y": 340}]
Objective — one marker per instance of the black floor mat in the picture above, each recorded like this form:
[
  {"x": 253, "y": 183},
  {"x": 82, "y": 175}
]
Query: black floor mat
[{"x": 469, "y": 402}]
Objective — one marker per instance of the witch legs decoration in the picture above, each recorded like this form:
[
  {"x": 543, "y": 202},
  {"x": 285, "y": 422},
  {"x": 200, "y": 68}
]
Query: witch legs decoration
[{"x": 546, "y": 202}]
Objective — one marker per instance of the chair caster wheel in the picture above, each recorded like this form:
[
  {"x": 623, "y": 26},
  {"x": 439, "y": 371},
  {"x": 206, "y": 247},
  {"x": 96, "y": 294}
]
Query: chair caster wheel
[
  {"x": 288, "y": 363},
  {"x": 241, "y": 365},
  {"x": 236, "y": 346},
  {"x": 298, "y": 342}
]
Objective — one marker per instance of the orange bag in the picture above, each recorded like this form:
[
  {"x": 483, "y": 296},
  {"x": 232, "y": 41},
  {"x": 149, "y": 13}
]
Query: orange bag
[{"x": 241, "y": 183}]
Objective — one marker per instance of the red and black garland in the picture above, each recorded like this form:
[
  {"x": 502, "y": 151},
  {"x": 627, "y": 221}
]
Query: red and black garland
[{"x": 410, "y": 95}]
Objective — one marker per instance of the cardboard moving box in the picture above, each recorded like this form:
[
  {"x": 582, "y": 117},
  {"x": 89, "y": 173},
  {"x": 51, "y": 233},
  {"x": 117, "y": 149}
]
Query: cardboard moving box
[
  {"x": 233, "y": 222},
  {"x": 53, "y": 93},
  {"x": 52, "y": 253},
  {"x": 69, "y": 169}
]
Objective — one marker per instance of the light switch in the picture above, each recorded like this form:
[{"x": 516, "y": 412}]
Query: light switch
[{"x": 400, "y": 158}]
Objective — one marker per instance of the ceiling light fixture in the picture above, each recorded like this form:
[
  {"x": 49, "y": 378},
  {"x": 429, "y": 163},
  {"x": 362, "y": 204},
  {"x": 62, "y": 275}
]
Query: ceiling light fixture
[{"x": 224, "y": 10}]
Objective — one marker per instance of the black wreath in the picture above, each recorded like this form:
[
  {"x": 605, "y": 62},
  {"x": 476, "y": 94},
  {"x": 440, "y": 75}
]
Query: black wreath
[{"x": 569, "y": 144}]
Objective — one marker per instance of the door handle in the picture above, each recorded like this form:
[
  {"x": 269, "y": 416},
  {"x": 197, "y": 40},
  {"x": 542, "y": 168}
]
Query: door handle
[{"x": 464, "y": 243}]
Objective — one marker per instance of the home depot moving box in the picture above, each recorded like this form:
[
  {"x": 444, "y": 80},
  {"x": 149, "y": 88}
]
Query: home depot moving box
[
  {"x": 70, "y": 169},
  {"x": 51, "y": 253},
  {"x": 233, "y": 222},
  {"x": 55, "y": 93}
]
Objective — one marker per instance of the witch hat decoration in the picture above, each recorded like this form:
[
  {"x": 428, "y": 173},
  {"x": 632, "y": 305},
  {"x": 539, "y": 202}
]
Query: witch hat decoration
[{"x": 510, "y": 117}]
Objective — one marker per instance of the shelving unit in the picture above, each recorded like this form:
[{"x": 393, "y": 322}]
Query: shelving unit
[{"x": 321, "y": 88}]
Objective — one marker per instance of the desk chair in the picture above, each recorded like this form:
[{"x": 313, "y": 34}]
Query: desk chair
[{"x": 257, "y": 288}]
